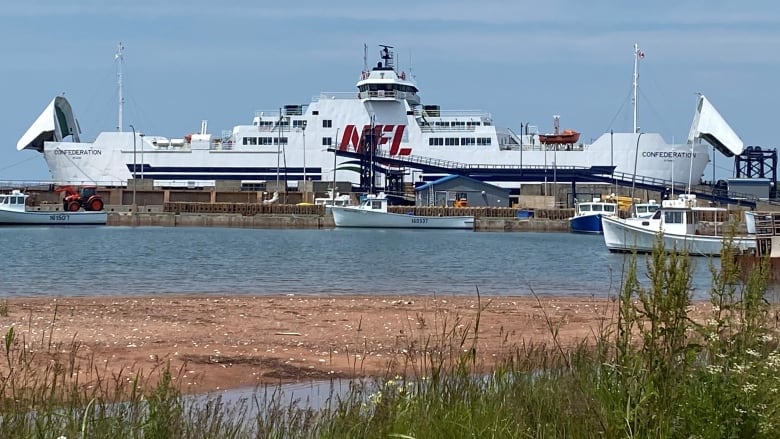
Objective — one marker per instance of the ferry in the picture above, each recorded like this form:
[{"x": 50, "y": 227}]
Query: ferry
[{"x": 297, "y": 142}]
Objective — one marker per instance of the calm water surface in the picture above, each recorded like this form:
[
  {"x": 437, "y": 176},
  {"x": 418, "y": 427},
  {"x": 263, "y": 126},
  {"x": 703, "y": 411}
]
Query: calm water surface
[{"x": 40, "y": 261}]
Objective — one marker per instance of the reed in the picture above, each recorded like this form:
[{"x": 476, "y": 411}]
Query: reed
[{"x": 649, "y": 371}]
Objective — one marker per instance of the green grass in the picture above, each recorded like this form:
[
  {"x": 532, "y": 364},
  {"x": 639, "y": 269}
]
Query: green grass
[{"x": 653, "y": 372}]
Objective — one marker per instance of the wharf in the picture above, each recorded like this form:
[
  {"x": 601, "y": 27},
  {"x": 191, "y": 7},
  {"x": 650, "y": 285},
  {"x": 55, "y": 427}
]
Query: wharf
[{"x": 282, "y": 216}]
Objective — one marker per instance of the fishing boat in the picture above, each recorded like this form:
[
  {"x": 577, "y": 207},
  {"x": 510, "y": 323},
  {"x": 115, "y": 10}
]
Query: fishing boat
[
  {"x": 291, "y": 143},
  {"x": 372, "y": 212},
  {"x": 683, "y": 225},
  {"x": 588, "y": 214},
  {"x": 14, "y": 211}
]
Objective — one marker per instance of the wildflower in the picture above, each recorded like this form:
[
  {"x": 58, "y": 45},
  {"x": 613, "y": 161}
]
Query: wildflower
[{"x": 752, "y": 353}]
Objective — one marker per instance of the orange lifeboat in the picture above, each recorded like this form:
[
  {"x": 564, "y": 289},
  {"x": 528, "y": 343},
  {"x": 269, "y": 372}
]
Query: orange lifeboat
[{"x": 563, "y": 138}]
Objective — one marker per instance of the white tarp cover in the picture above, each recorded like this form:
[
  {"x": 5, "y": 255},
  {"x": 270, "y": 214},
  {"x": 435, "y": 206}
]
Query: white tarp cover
[
  {"x": 55, "y": 123},
  {"x": 710, "y": 126}
]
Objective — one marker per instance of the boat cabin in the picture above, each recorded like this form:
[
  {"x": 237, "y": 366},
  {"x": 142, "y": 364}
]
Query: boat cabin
[
  {"x": 596, "y": 207},
  {"x": 15, "y": 201},
  {"x": 645, "y": 210},
  {"x": 681, "y": 216},
  {"x": 374, "y": 203}
]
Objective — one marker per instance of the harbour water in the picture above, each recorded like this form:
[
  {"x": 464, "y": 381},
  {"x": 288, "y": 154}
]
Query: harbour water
[{"x": 78, "y": 261}]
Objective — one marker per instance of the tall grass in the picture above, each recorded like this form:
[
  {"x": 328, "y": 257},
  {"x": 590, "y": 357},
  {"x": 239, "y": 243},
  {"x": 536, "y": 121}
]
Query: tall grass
[{"x": 651, "y": 371}]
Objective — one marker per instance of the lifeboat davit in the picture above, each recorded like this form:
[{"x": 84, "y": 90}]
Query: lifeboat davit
[{"x": 563, "y": 138}]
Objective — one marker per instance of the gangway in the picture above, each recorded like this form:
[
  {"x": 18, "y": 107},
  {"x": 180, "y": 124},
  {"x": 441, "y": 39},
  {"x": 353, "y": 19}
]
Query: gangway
[{"x": 382, "y": 162}]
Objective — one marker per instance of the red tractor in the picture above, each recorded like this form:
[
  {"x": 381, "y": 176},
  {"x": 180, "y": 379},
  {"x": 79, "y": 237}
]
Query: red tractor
[{"x": 86, "y": 198}]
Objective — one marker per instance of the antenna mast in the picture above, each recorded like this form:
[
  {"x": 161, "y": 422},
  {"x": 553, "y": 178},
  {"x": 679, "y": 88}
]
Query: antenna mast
[
  {"x": 120, "y": 57},
  {"x": 637, "y": 54}
]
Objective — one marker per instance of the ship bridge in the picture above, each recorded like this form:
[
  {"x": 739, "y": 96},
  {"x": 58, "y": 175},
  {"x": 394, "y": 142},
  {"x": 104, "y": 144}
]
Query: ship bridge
[{"x": 385, "y": 83}]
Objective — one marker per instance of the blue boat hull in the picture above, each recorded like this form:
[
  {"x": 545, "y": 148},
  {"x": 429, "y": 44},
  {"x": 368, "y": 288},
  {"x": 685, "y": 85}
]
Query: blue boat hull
[{"x": 586, "y": 224}]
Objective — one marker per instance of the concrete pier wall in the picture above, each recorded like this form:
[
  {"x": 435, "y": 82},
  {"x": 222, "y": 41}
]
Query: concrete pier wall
[{"x": 262, "y": 221}]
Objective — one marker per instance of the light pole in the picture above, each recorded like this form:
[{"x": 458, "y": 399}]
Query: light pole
[
  {"x": 636, "y": 158},
  {"x": 555, "y": 174},
  {"x": 134, "y": 165},
  {"x": 305, "y": 187},
  {"x": 545, "y": 168},
  {"x": 335, "y": 148},
  {"x": 141, "y": 135}
]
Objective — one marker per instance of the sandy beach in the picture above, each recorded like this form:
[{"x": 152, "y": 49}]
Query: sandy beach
[{"x": 219, "y": 342}]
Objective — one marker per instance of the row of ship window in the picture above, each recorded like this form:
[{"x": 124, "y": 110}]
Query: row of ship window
[
  {"x": 284, "y": 123},
  {"x": 459, "y": 141},
  {"x": 326, "y": 141},
  {"x": 328, "y": 123},
  {"x": 454, "y": 123}
]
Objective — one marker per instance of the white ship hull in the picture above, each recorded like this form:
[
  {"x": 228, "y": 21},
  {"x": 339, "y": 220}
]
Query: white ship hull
[
  {"x": 109, "y": 160},
  {"x": 292, "y": 145},
  {"x": 353, "y": 217},
  {"x": 52, "y": 218}
]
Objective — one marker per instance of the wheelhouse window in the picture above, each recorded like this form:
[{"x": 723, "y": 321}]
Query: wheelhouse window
[{"x": 673, "y": 217}]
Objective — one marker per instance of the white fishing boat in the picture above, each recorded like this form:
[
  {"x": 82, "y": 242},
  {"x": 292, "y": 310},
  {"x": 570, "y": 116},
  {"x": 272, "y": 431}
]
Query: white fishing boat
[
  {"x": 290, "y": 144},
  {"x": 14, "y": 211},
  {"x": 372, "y": 212},
  {"x": 680, "y": 222}
]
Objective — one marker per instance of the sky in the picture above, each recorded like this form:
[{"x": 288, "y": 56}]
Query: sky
[{"x": 522, "y": 61}]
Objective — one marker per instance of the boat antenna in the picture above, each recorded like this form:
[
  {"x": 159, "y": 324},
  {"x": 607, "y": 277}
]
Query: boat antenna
[
  {"x": 119, "y": 57},
  {"x": 387, "y": 56},
  {"x": 638, "y": 54},
  {"x": 365, "y": 57},
  {"x": 411, "y": 71}
]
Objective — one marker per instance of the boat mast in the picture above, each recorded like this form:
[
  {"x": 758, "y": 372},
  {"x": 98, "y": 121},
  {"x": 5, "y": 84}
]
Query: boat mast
[
  {"x": 119, "y": 57},
  {"x": 637, "y": 54}
]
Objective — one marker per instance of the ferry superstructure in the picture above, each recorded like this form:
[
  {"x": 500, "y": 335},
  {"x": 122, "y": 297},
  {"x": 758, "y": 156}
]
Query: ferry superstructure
[{"x": 291, "y": 144}]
